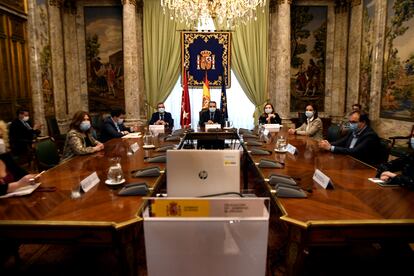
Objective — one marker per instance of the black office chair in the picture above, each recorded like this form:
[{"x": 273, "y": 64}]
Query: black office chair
[
  {"x": 333, "y": 133},
  {"x": 46, "y": 154},
  {"x": 54, "y": 132},
  {"x": 404, "y": 149},
  {"x": 96, "y": 122}
]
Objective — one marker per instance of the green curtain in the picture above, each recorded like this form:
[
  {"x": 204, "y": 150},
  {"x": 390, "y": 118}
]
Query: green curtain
[
  {"x": 162, "y": 53},
  {"x": 249, "y": 58}
]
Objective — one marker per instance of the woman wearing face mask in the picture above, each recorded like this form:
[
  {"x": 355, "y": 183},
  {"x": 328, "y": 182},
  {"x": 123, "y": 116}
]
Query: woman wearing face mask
[
  {"x": 405, "y": 165},
  {"x": 313, "y": 125},
  {"x": 79, "y": 140},
  {"x": 269, "y": 115}
]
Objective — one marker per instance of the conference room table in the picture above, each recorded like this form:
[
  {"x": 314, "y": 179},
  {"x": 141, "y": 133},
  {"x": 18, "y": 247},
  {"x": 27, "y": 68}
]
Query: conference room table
[
  {"x": 100, "y": 217},
  {"x": 355, "y": 210}
]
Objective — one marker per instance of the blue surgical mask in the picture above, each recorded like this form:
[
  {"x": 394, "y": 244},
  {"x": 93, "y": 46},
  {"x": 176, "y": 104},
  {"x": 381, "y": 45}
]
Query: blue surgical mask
[
  {"x": 353, "y": 127},
  {"x": 412, "y": 142},
  {"x": 268, "y": 110},
  {"x": 161, "y": 110},
  {"x": 212, "y": 109},
  {"x": 309, "y": 114},
  {"x": 85, "y": 126},
  {"x": 120, "y": 121}
]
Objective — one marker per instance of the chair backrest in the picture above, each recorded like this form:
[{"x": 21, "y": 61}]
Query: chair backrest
[
  {"x": 52, "y": 126},
  {"x": 333, "y": 133},
  {"x": 383, "y": 151},
  {"x": 47, "y": 155}
]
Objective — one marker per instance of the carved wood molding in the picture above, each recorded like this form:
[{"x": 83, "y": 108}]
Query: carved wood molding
[
  {"x": 56, "y": 3},
  {"x": 131, "y": 2},
  {"x": 283, "y": 1}
]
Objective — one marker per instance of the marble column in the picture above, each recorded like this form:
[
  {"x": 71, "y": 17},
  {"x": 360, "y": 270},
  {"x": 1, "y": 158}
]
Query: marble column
[
  {"x": 58, "y": 61},
  {"x": 140, "y": 65},
  {"x": 339, "y": 66},
  {"x": 377, "y": 59},
  {"x": 35, "y": 68},
  {"x": 80, "y": 38},
  {"x": 354, "y": 55},
  {"x": 273, "y": 17},
  {"x": 131, "y": 77},
  {"x": 282, "y": 77}
]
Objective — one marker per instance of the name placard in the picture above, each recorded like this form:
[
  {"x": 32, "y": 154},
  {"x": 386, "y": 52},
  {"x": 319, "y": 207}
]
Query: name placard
[
  {"x": 322, "y": 179},
  {"x": 134, "y": 147},
  {"x": 272, "y": 127},
  {"x": 89, "y": 182},
  {"x": 212, "y": 126},
  {"x": 157, "y": 129},
  {"x": 291, "y": 149}
]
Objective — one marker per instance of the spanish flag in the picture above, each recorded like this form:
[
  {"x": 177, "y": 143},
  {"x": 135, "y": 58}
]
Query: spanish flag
[{"x": 206, "y": 93}]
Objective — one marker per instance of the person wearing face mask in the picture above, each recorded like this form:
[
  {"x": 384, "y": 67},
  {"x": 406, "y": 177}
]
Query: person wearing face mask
[
  {"x": 161, "y": 117},
  {"x": 22, "y": 133},
  {"x": 79, "y": 139},
  {"x": 312, "y": 126},
  {"x": 361, "y": 142},
  {"x": 113, "y": 126},
  {"x": 212, "y": 115},
  {"x": 269, "y": 115}
]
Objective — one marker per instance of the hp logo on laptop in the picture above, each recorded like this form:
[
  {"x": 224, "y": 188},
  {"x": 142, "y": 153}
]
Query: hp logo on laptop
[{"x": 203, "y": 175}]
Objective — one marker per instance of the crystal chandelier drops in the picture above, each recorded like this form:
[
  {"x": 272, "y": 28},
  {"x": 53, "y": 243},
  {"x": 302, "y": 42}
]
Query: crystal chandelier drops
[{"x": 228, "y": 12}]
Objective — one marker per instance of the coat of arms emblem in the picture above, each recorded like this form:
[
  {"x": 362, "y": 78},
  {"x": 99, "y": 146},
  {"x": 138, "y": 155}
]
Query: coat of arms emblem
[{"x": 206, "y": 60}]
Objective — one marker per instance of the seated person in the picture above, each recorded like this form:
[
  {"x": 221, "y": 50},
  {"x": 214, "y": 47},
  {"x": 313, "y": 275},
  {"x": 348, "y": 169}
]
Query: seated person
[
  {"x": 344, "y": 125},
  {"x": 403, "y": 164},
  {"x": 269, "y": 116},
  {"x": 22, "y": 132},
  {"x": 361, "y": 142},
  {"x": 12, "y": 177},
  {"x": 312, "y": 127},
  {"x": 79, "y": 139},
  {"x": 211, "y": 116},
  {"x": 162, "y": 117},
  {"x": 113, "y": 126},
  {"x": 4, "y": 137}
]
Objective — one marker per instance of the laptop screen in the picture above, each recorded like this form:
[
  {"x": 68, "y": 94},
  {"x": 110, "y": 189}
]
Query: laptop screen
[{"x": 192, "y": 173}]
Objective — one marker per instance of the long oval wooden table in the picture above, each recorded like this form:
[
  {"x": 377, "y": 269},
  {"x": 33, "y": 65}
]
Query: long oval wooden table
[
  {"x": 99, "y": 217},
  {"x": 356, "y": 210}
]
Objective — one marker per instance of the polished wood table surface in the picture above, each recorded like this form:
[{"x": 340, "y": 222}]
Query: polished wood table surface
[
  {"x": 100, "y": 216},
  {"x": 355, "y": 210}
]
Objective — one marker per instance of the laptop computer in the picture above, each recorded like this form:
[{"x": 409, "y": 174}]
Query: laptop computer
[{"x": 192, "y": 173}]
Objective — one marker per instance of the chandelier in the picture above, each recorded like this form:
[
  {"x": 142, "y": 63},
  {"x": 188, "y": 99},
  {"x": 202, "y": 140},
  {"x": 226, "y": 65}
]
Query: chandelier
[{"x": 229, "y": 12}]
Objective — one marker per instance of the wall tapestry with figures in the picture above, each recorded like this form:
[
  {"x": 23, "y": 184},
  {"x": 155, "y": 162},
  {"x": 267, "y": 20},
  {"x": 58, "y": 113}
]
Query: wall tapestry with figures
[
  {"x": 367, "y": 47},
  {"x": 397, "y": 98},
  {"x": 308, "y": 56},
  {"x": 104, "y": 57}
]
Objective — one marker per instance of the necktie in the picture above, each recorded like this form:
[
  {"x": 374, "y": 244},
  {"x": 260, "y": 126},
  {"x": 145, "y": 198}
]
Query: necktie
[
  {"x": 211, "y": 116},
  {"x": 27, "y": 125},
  {"x": 162, "y": 117}
]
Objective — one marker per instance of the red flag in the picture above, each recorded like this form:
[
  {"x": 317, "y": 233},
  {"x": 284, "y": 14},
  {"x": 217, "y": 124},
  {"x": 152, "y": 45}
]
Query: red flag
[{"x": 185, "y": 118}]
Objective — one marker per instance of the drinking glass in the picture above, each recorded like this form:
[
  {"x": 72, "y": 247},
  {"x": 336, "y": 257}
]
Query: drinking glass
[
  {"x": 115, "y": 174},
  {"x": 228, "y": 124},
  {"x": 148, "y": 139},
  {"x": 281, "y": 143}
]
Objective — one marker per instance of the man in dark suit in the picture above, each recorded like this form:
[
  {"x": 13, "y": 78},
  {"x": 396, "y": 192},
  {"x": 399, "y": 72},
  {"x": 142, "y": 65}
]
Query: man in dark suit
[
  {"x": 361, "y": 142},
  {"x": 212, "y": 115},
  {"x": 113, "y": 126},
  {"x": 22, "y": 132},
  {"x": 161, "y": 117}
]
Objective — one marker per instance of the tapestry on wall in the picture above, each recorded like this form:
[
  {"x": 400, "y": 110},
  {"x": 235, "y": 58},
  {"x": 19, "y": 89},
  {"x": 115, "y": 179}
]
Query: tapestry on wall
[
  {"x": 308, "y": 56},
  {"x": 367, "y": 47},
  {"x": 206, "y": 53},
  {"x": 104, "y": 57},
  {"x": 397, "y": 98}
]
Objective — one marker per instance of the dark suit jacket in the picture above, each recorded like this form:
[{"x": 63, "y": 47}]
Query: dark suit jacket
[
  {"x": 167, "y": 118},
  {"x": 365, "y": 149},
  {"x": 109, "y": 131},
  {"x": 275, "y": 120},
  {"x": 21, "y": 137},
  {"x": 403, "y": 164},
  {"x": 205, "y": 117}
]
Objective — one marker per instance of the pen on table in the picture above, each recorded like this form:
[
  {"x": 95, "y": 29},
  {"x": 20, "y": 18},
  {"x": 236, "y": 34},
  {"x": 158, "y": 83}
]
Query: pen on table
[{"x": 37, "y": 176}]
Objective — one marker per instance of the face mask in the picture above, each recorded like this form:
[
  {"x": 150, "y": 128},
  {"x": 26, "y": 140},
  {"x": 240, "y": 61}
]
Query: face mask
[
  {"x": 2, "y": 146},
  {"x": 268, "y": 110},
  {"x": 26, "y": 118},
  {"x": 353, "y": 127},
  {"x": 120, "y": 121},
  {"x": 412, "y": 142},
  {"x": 309, "y": 114},
  {"x": 161, "y": 110},
  {"x": 212, "y": 109},
  {"x": 85, "y": 126}
]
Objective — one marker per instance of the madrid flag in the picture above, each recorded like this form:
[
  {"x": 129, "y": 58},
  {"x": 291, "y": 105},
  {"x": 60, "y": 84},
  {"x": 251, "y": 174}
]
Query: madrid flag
[
  {"x": 206, "y": 93},
  {"x": 185, "y": 118}
]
